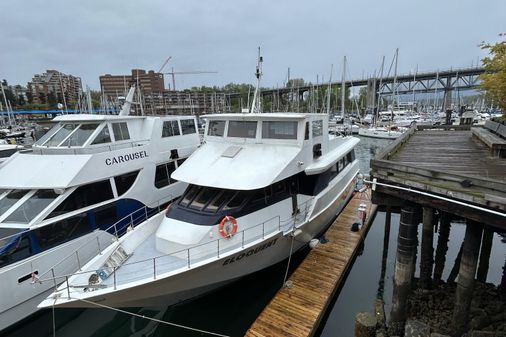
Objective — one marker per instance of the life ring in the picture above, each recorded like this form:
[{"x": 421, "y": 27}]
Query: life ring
[{"x": 228, "y": 226}]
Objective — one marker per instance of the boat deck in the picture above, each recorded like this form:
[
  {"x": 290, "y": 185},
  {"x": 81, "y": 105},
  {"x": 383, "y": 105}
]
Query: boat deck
[{"x": 298, "y": 310}]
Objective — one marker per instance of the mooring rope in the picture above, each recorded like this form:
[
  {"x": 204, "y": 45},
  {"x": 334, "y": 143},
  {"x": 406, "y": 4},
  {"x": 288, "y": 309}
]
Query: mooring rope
[
  {"x": 145, "y": 317},
  {"x": 290, "y": 255}
]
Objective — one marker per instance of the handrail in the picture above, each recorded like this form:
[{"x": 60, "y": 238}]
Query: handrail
[
  {"x": 113, "y": 227},
  {"x": 281, "y": 224},
  {"x": 89, "y": 149}
]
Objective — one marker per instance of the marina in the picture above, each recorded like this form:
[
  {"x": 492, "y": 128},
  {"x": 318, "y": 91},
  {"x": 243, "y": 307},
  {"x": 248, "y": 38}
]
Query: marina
[{"x": 241, "y": 169}]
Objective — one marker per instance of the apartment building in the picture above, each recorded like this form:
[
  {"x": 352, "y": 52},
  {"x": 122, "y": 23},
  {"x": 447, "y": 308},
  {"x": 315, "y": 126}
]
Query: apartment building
[{"x": 60, "y": 85}]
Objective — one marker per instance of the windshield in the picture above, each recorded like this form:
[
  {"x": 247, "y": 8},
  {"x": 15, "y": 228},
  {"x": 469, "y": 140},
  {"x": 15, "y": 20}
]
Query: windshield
[
  {"x": 10, "y": 199},
  {"x": 60, "y": 135},
  {"x": 81, "y": 135},
  {"x": 31, "y": 207},
  {"x": 7, "y": 234}
]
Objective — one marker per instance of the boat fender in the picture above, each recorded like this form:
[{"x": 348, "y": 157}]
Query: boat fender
[{"x": 228, "y": 226}]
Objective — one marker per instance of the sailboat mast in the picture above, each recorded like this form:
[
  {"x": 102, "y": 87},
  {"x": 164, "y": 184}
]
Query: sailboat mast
[
  {"x": 329, "y": 89},
  {"x": 395, "y": 82},
  {"x": 343, "y": 87}
]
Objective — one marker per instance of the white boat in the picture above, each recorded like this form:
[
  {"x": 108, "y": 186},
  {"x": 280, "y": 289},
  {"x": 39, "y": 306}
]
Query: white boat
[
  {"x": 381, "y": 132},
  {"x": 261, "y": 187},
  {"x": 83, "y": 176},
  {"x": 7, "y": 150}
]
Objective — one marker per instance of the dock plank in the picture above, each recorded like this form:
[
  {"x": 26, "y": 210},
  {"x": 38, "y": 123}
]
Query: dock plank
[{"x": 297, "y": 311}]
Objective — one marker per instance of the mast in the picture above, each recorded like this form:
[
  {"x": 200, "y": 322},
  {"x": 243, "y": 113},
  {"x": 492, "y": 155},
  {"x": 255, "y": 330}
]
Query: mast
[
  {"x": 256, "y": 106},
  {"x": 329, "y": 89},
  {"x": 343, "y": 88},
  {"x": 376, "y": 115},
  {"x": 5, "y": 100},
  {"x": 125, "y": 110},
  {"x": 395, "y": 82}
]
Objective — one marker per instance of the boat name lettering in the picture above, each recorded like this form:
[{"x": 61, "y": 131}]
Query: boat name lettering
[
  {"x": 125, "y": 158},
  {"x": 250, "y": 252}
]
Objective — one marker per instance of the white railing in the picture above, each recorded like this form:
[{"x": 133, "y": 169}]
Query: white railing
[
  {"x": 185, "y": 258},
  {"x": 117, "y": 230},
  {"x": 88, "y": 149}
]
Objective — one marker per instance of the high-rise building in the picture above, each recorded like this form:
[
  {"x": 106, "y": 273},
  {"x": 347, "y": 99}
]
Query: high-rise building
[
  {"x": 54, "y": 85},
  {"x": 114, "y": 86}
]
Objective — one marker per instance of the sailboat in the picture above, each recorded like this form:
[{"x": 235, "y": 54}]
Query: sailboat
[
  {"x": 384, "y": 132},
  {"x": 261, "y": 187}
]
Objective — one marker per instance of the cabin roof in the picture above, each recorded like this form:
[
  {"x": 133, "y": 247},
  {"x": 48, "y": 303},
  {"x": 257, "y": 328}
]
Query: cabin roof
[{"x": 261, "y": 116}]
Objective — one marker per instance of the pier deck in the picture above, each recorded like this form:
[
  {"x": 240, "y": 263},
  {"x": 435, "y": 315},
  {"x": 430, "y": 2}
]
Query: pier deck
[
  {"x": 449, "y": 162},
  {"x": 298, "y": 310}
]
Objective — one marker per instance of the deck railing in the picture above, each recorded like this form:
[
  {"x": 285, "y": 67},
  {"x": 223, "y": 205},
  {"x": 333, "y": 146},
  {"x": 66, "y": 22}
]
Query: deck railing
[
  {"x": 117, "y": 230},
  {"x": 184, "y": 258},
  {"x": 88, "y": 149}
]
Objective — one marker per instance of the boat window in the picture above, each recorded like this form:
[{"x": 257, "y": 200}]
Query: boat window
[
  {"x": 32, "y": 206},
  {"x": 340, "y": 165},
  {"x": 181, "y": 161},
  {"x": 7, "y": 153},
  {"x": 120, "y": 131},
  {"x": 19, "y": 249},
  {"x": 306, "y": 132},
  {"x": 170, "y": 128},
  {"x": 244, "y": 129},
  {"x": 84, "y": 196},
  {"x": 106, "y": 215},
  {"x": 10, "y": 199},
  {"x": 162, "y": 174},
  {"x": 205, "y": 195},
  {"x": 63, "y": 230},
  {"x": 236, "y": 201},
  {"x": 60, "y": 135},
  {"x": 190, "y": 193},
  {"x": 333, "y": 171},
  {"x": 188, "y": 126},
  {"x": 103, "y": 136},
  {"x": 216, "y": 128},
  {"x": 80, "y": 135},
  {"x": 279, "y": 129},
  {"x": 125, "y": 181},
  {"x": 351, "y": 156},
  {"x": 219, "y": 200},
  {"x": 317, "y": 128}
]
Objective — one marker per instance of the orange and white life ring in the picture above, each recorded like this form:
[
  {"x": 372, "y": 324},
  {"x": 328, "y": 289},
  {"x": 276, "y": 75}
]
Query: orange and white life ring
[{"x": 228, "y": 226}]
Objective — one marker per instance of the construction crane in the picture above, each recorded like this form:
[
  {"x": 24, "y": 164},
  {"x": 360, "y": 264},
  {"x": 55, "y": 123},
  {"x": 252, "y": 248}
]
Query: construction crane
[
  {"x": 174, "y": 73},
  {"x": 164, "y": 64}
]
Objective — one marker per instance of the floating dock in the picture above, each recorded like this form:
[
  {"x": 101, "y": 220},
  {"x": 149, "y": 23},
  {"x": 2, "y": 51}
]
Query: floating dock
[{"x": 298, "y": 310}]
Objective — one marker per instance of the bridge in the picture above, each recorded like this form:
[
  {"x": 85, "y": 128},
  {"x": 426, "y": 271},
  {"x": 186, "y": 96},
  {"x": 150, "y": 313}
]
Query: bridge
[{"x": 443, "y": 81}]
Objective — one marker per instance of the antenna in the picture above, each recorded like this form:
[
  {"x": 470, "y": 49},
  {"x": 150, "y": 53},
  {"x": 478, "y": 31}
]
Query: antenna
[{"x": 256, "y": 106}]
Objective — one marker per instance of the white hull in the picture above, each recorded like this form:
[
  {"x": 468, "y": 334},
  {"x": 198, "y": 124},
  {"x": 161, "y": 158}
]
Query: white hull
[
  {"x": 172, "y": 287},
  {"x": 379, "y": 133}
]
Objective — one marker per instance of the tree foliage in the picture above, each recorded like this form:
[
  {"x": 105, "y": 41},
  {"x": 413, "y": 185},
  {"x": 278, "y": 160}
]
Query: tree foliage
[{"x": 494, "y": 78}]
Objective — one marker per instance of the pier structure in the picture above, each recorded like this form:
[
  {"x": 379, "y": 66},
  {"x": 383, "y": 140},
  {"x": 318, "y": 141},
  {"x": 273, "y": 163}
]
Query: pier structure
[
  {"x": 440, "y": 81},
  {"x": 452, "y": 171},
  {"x": 298, "y": 308}
]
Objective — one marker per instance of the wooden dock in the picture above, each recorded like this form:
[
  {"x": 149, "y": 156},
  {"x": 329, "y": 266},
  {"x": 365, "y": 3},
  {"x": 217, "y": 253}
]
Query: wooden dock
[
  {"x": 297, "y": 311},
  {"x": 447, "y": 161}
]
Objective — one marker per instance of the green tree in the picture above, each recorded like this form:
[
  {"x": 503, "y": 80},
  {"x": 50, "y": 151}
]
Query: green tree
[{"x": 494, "y": 78}]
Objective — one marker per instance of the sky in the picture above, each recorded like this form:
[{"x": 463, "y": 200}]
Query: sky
[{"x": 89, "y": 38}]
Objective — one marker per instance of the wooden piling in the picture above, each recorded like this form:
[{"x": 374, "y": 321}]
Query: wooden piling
[
  {"x": 404, "y": 269},
  {"x": 486, "y": 248},
  {"x": 465, "y": 283},
  {"x": 365, "y": 325},
  {"x": 427, "y": 259},
  {"x": 442, "y": 246}
]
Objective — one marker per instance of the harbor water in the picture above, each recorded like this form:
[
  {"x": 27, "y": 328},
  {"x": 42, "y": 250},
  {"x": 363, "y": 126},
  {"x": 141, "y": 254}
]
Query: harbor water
[{"x": 230, "y": 310}]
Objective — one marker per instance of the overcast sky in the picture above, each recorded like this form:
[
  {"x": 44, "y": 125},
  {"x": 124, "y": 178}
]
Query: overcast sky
[{"x": 89, "y": 38}]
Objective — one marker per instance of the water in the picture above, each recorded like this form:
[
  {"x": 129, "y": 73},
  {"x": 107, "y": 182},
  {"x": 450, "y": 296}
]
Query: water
[{"x": 232, "y": 309}]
